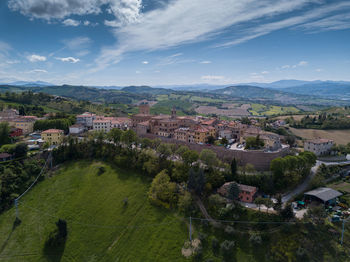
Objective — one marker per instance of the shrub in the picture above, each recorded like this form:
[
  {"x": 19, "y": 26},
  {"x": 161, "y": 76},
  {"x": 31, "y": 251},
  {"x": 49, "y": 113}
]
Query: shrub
[
  {"x": 255, "y": 239},
  {"x": 226, "y": 249},
  {"x": 229, "y": 230},
  {"x": 101, "y": 170},
  {"x": 215, "y": 245}
]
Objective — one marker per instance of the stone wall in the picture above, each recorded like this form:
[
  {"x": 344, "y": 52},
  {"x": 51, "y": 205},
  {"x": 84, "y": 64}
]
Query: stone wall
[{"x": 260, "y": 159}]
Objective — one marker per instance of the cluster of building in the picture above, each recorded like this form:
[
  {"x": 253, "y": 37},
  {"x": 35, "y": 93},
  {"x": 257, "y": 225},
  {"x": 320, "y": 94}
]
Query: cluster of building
[
  {"x": 20, "y": 125},
  {"x": 197, "y": 129},
  {"x": 88, "y": 121}
]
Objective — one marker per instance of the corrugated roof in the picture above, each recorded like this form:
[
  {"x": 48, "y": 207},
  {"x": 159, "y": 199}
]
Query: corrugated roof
[{"x": 324, "y": 193}]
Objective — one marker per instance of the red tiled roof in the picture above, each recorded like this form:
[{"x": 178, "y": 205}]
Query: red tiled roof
[{"x": 52, "y": 131}]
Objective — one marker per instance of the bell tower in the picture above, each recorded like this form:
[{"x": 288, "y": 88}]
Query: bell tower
[{"x": 173, "y": 113}]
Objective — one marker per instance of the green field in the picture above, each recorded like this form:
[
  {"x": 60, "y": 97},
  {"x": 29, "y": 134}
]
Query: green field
[
  {"x": 100, "y": 226},
  {"x": 267, "y": 110}
]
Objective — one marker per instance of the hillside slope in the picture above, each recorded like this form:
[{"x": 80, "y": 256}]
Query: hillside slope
[{"x": 100, "y": 227}]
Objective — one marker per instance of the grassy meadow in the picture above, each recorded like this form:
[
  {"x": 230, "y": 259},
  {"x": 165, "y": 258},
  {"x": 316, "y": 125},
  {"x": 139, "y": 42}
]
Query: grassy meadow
[{"x": 100, "y": 226}]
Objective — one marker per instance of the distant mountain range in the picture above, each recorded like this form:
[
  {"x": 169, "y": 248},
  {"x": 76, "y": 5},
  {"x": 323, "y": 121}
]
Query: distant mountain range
[
  {"x": 283, "y": 91},
  {"x": 28, "y": 84}
]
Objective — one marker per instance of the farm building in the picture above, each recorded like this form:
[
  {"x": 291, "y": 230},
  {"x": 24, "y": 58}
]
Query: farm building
[{"x": 325, "y": 195}]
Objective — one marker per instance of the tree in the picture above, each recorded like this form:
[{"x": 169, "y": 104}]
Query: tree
[
  {"x": 317, "y": 214},
  {"x": 233, "y": 191},
  {"x": 189, "y": 157},
  {"x": 259, "y": 201},
  {"x": 196, "y": 181},
  {"x": 163, "y": 191},
  {"x": 185, "y": 202},
  {"x": 208, "y": 157},
  {"x": 224, "y": 141},
  {"x": 287, "y": 212},
  {"x": 210, "y": 140},
  {"x": 268, "y": 203},
  {"x": 128, "y": 138},
  {"x": 181, "y": 150},
  {"x": 164, "y": 151},
  {"x": 20, "y": 150},
  {"x": 278, "y": 204},
  {"x": 226, "y": 249},
  {"x": 4, "y": 133},
  {"x": 234, "y": 167},
  {"x": 254, "y": 143},
  {"x": 115, "y": 135}
]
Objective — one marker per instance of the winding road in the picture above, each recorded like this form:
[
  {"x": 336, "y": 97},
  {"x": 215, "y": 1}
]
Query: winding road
[{"x": 303, "y": 186}]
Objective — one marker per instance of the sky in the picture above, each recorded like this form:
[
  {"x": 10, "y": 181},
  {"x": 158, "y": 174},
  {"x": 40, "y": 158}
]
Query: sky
[{"x": 173, "y": 42}]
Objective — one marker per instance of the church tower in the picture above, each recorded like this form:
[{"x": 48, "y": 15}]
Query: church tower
[{"x": 173, "y": 113}]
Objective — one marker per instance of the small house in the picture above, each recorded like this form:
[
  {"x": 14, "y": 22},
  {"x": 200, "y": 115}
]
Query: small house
[{"x": 246, "y": 193}]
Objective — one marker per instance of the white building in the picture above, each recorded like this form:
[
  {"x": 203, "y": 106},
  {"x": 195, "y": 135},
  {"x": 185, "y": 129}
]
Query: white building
[
  {"x": 104, "y": 125},
  {"x": 318, "y": 146},
  {"x": 226, "y": 133},
  {"x": 76, "y": 129},
  {"x": 86, "y": 119}
]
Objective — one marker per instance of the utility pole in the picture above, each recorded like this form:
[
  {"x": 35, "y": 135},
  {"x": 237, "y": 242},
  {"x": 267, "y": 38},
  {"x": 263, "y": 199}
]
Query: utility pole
[
  {"x": 342, "y": 232},
  {"x": 190, "y": 229}
]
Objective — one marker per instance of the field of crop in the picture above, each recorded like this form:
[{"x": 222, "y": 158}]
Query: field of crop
[
  {"x": 267, "y": 110},
  {"x": 100, "y": 226},
  {"x": 339, "y": 136}
]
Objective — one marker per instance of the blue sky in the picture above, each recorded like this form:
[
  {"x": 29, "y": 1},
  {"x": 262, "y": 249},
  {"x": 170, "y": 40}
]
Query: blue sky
[{"x": 167, "y": 42}]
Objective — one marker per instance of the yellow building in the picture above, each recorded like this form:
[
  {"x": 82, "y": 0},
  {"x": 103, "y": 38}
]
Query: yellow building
[
  {"x": 202, "y": 133},
  {"x": 53, "y": 136},
  {"x": 27, "y": 125}
]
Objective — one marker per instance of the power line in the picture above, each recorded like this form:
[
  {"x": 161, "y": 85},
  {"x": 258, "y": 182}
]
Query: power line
[{"x": 35, "y": 180}]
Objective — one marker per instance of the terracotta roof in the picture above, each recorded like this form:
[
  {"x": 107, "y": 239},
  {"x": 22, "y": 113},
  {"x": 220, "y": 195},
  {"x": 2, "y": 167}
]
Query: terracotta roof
[{"x": 52, "y": 131}]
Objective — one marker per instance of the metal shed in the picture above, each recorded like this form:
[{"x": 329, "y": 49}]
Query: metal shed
[{"x": 325, "y": 195}]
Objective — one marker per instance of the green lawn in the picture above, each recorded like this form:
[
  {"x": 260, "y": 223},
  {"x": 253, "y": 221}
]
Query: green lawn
[{"x": 100, "y": 227}]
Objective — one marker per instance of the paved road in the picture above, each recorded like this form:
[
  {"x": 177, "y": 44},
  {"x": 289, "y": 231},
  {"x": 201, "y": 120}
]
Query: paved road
[{"x": 303, "y": 186}]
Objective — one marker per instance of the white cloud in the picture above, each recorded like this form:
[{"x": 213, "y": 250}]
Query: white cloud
[
  {"x": 145, "y": 62},
  {"x": 335, "y": 22},
  {"x": 55, "y": 9},
  {"x": 303, "y": 63},
  {"x": 124, "y": 11},
  {"x": 205, "y": 62},
  {"x": 36, "y": 58},
  {"x": 184, "y": 21},
  {"x": 300, "y": 64},
  {"x": 77, "y": 42},
  {"x": 265, "y": 72},
  {"x": 319, "y": 70},
  {"x": 38, "y": 71},
  {"x": 212, "y": 77},
  {"x": 86, "y": 23},
  {"x": 71, "y": 22},
  {"x": 68, "y": 59}
]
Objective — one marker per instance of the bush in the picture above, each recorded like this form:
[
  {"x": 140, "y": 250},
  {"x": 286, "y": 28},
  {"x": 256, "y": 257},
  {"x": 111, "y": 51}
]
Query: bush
[
  {"x": 229, "y": 230},
  {"x": 215, "y": 245},
  {"x": 255, "y": 239},
  {"x": 101, "y": 170},
  {"x": 226, "y": 249}
]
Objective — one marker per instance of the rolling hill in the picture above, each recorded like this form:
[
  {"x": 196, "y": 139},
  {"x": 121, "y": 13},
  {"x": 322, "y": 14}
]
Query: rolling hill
[
  {"x": 329, "y": 89},
  {"x": 100, "y": 226}
]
